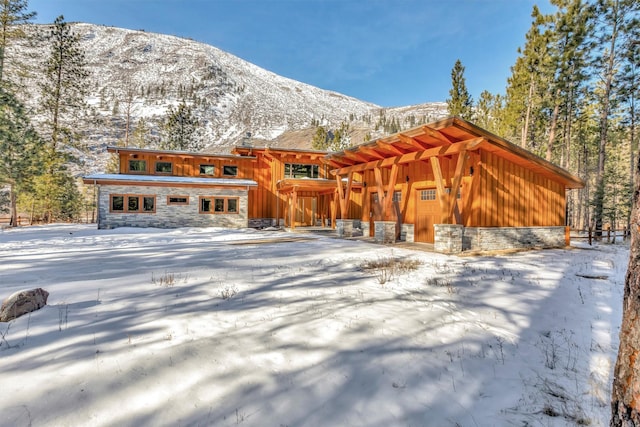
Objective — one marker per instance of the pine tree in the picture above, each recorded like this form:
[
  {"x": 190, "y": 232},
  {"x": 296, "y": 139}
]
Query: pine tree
[
  {"x": 13, "y": 13},
  {"x": 65, "y": 83},
  {"x": 320, "y": 139},
  {"x": 528, "y": 83},
  {"x": 460, "y": 102},
  {"x": 181, "y": 130},
  {"x": 21, "y": 148}
]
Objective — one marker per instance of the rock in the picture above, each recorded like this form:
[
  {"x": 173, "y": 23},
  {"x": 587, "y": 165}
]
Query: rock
[{"x": 23, "y": 302}]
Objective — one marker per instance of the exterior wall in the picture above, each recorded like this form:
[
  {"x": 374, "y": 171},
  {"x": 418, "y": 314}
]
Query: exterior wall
[
  {"x": 504, "y": 194},
  {"x": 170, "y": 216},
  {"x": 448, "y": 238},
  {"x": 499, "y": 238}
]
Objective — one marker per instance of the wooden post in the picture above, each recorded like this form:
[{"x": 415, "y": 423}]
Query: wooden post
[
  {"x": 294, "y": 208},
  {"x": 590, "y": 235},
  {"x": 608, "y": 234}
]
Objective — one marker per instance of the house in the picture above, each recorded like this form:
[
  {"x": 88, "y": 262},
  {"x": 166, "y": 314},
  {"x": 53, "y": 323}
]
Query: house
[{"x": 449, "y": 183}]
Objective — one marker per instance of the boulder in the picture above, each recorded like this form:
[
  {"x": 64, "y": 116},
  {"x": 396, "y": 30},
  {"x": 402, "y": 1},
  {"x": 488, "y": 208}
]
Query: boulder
[{"x": 23, "y": 302}]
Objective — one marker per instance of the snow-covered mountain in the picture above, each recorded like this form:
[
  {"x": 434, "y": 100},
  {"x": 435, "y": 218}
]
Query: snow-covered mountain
[{"x": 139, "y": 75}]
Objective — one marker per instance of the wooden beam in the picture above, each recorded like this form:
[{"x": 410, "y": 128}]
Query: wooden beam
[
  {"x": 390, "y": 147},
  {"x": 437, "y": 134},
  {"x": 443, "y": 200},
  {"x": 294, "y": 208},
  {"x": 355, "y": 155},
  {"x": 380, "y": 191},
  {"x": 413, "y": 142},
  {"x": 448, "y": 150},
  {"x": 455, "y": 184},
  {"x": 344, "y": 195},
  {"x": 371, "y": 152},
  {"x": 390, "y": 189}
]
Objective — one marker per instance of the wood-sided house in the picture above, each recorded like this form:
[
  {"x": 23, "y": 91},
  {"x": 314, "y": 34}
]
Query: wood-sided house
[{"x": 450, "y": 183}]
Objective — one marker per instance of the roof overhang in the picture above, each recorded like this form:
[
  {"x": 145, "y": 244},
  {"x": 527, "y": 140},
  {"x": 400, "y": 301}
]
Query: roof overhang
[
  {"x": 313, "y": 185},
  {"x": 439, "y": 139},
  {"x": 183, "y": 154},
  {"x": 164, "y": 181}
]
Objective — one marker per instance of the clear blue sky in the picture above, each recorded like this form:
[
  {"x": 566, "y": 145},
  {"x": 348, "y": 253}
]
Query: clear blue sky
[{"x": 389, "y": 52}]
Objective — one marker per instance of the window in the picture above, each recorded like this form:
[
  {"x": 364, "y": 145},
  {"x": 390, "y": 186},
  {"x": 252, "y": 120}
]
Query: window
[
  {"x": 219, "y": 205},
  {"x": 232, "y": 205},
  {"x": 230, "y": 170},
  {"x": 428, "y": 195},
  {"x": 177, "y": 200},
  {"x": 117, "y": 203},
  {"x": 137, "y": 165},
  {"x": 207, "y": 170},
  {"x": 397, "y": 196},
  {"x": 293, "y": 170},
  {"x": 448, "y": 190},
  {"x": 133, "y": 203},
  {"x": 164, "y": 167}
]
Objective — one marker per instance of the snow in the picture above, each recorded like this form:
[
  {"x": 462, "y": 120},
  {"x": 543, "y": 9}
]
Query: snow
[
  {"x": 172, "y": 179},
  {"x": 244, "y": 327}
]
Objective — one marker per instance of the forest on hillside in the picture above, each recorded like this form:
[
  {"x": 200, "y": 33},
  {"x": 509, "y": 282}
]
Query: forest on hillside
[{"x": 570, "y": 99}]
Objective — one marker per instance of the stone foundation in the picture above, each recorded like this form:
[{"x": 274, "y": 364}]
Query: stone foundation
[
  {"x": 500, "y": 238},
  {"x": 366, "y": 228},
  {"x": 448, "y": 238},
  {"x": 385, "y": 231},
  {"x": 452, "y": 238},
  {"x": 407, "y": 233},
  {"x": 344, "y": 227}
]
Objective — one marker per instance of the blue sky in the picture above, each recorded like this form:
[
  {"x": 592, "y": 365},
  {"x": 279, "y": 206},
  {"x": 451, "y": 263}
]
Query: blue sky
[{"x": 389, "y": 52}]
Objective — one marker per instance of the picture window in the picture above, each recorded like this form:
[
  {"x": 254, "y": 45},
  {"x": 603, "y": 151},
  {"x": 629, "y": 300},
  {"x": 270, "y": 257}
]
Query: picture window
[
  {"x": 137, "y": 166},
  {"x": 164, "y": 167},
  {"x": 230, "y": 170},
  {"x": 207, "y": 169}
]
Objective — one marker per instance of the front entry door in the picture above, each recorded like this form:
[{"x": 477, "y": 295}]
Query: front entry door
[{"x": 427, "y": 213}]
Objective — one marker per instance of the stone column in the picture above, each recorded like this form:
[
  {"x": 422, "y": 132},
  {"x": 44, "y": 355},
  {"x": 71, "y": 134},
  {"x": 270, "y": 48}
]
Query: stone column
[
  {"x": 385, "y": 231},
  {"x": 448, "y": 238},
  {"x": 344, "y": 227}
]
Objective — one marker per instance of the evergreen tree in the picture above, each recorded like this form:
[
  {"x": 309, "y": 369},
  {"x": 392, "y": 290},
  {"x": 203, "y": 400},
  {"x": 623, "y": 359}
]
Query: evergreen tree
[
  {"x": 65, "y": 83},
  {"x": 460, "y": 103},
  {"x": 13, "y": 13},
  {"x": 527, "y": 85},
  {"x": 181, "y": 130},
  {"x": 320, "y": 139},
  {"x": 21, "y": 148}
]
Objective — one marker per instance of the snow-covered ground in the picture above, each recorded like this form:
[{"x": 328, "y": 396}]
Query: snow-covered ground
[{"x": 224, "y": 328}]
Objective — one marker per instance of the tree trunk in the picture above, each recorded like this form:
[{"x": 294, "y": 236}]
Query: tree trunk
[
  {"x": 13, "y": 221},
  {"x": 625, "y": 397}
]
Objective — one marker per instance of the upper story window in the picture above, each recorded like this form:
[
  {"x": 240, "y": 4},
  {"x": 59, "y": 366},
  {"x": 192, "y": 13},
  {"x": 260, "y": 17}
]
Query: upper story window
[
  {"x": 164, "y": 167},
  {"x": 207, "y": 170},
  {"x": 230, "y": 170},
  {"x": 137, "y": 165},
  {"x": 294, "y": 170}
]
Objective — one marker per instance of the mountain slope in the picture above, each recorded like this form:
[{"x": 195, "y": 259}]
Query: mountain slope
[{"x": 138, "y": 75}]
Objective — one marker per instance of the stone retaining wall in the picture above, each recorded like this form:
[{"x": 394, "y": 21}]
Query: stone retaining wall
[{"x": 499, "y": 238}]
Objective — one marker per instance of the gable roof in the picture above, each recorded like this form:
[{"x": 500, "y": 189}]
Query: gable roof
[{"x": 442, "y": 138}]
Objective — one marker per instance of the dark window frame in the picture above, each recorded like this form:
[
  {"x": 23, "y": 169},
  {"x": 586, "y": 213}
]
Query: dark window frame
[
  {"x": 133, "y": 203},
  {"x": 177, "y": 203}
]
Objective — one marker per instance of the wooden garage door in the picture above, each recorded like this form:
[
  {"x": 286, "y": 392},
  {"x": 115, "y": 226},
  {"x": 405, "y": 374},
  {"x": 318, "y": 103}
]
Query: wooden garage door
[{"x": 427, "y": 213}]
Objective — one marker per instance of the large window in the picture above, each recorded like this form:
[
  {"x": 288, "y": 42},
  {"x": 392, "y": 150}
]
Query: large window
[
  {"x": 294, "y": 170},
  {"x": 218, "y": 205},
  {"x": 164, "y": 167},
  {"x": 132, "y": 203},
  {"x": 207, "y": 170},
  {"x": 137, "y": 166},
  {"x": 230, "y": 170}
]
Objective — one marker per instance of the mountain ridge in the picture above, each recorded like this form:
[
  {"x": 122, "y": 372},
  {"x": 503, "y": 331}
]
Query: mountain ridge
[{"x": 137, "y": 75}]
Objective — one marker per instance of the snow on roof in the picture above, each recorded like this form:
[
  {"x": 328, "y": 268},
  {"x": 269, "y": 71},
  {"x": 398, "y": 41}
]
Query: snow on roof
[{"x": 170, "y": 179}]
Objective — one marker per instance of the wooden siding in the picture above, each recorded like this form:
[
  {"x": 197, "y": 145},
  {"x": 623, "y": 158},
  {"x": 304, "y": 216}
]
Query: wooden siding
[
  {"x": 500, "y": 193},
  {"x": 504, "y": 194}
]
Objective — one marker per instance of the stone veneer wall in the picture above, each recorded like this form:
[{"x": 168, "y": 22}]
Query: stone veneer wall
[
  {"x": 171, "y": 216},
  {"x": 498, "y": 238}
]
